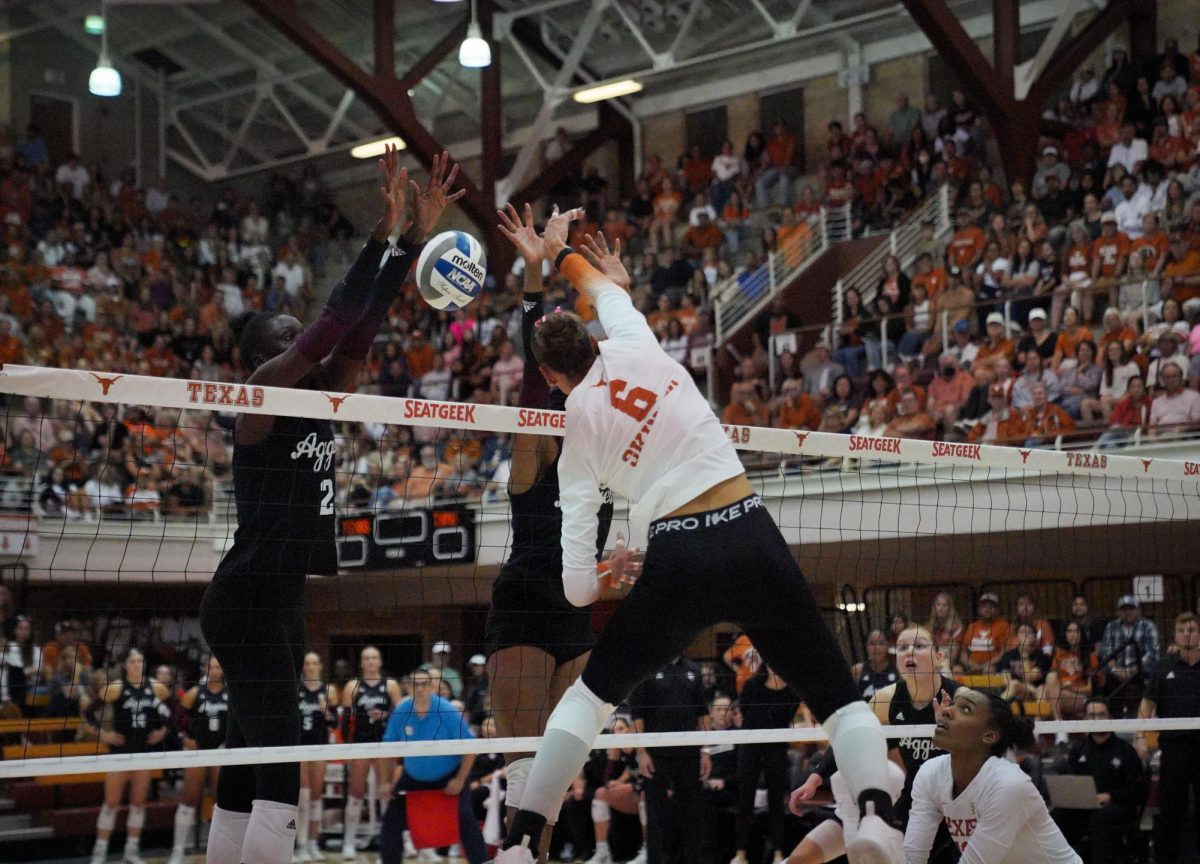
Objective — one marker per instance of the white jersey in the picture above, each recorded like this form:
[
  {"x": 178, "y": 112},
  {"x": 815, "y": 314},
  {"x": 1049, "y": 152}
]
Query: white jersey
[
  {"x": 1000, "y": 818},
  {"x": 636, "y": 425}
]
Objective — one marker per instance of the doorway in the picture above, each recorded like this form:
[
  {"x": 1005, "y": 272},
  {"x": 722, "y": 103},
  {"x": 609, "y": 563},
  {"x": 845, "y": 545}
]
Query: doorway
[{"x": 56, "y": 120}]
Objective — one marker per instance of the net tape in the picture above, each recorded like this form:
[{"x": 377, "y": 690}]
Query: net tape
[
  {"x": 181, "y": 393},
  {"x": 89, "y": 386},
  {"x": 100, "y": 763}
]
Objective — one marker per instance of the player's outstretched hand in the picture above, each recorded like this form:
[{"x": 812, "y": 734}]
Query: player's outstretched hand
[
  {"x": 428, "y": 206},
  {"x": 554, "y": 235},
  {"x": 595, "y": 250},
  {"x": 803, "y": 794},
  {"x": 395, "y": 193},
  {"x": 522, "y": 233}
]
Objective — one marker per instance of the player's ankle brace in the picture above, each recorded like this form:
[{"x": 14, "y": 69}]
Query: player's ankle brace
[
  {"x": 859, "y": 747},
  {"x": 882, "y": 802},
  {"x": 527, "y": 828}
]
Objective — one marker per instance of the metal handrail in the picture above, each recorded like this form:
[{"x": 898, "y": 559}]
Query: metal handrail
[{"x": 742, "y": 296}]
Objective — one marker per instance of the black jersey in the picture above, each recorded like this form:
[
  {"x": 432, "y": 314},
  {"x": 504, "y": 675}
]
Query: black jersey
[
  {"x": 537, "y": 528},
  {"x": 764, "y": 708},
  {"x": 916, "y": 751},
  {"x": 284, "y": 488},
  {"x": 368, "y": 698},
  {"x": 870, "y": 682},
  {"x": 136, "y": 714},
  {"x": 209, "y": 718},
  {"x": 314, "y": 728}
]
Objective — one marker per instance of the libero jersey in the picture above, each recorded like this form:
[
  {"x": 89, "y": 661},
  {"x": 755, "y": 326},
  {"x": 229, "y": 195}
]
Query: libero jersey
[
  {"x": 1000, "y": 818},
  {"x": 284, "y": 490},
  {"x": 636, "y": 425}
]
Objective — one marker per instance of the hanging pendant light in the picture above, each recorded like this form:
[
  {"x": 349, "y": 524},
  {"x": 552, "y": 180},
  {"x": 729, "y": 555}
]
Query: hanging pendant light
[
  {"x": 474, "y": 52},
  {"x": 105, "y": 80}
]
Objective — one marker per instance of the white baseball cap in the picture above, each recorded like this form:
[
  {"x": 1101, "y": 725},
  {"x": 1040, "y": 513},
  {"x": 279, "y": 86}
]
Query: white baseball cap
[
  {"x": 995, "y": 318},
  {"x": 441, "y": 647}
]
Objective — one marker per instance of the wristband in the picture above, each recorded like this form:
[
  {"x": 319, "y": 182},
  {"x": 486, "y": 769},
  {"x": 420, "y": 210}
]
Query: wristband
[{"x": 558, "y": 259}]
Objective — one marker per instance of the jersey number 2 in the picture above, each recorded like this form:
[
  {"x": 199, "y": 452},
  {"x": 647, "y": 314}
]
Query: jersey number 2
[
  {"x": 636, "y": 403},
  {"x": 327, "y": 501}
]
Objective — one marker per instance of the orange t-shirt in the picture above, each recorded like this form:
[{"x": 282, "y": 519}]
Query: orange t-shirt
[
  {"x": 420, "y": 360},
  {"x": 1079, "y": 259},
  {"x": 1125, "y": 334},
  {"x": 12, "y": 349},
  {"x": 934, "y": 281},
  {"x": 780, "y": 149},
  {"x": 985, "y": 641},
  {"x": 1189, "y": 266},
  {"x": 1156, "y": 246},
  {"x": 737, "y": 652},
  {"x": 802, "y": 416},
  {"x": 1068, "y": 340},
  {"x": 1051, "y": 420},
  {"x": 989, "y": 354},
  {"x": 735, "y": 414},
  {"x": 965, "y": 245},
  {"x": 1109, "y": 251},
  {"x": 893, "y": 398},
  {"x": 707, "y": 237},
  {"x": 1071, "y": 668}
]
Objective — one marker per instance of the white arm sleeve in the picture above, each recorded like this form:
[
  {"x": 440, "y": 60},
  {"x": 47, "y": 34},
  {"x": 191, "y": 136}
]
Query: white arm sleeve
[
  {"x": 923, "y": 819},
  {"x": 580, "y": 500},
  {"x": 621, "y": 321},
  {"x": 1004, "y": 811}
]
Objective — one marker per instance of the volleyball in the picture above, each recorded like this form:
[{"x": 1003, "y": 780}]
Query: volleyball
[{"x": 450, "y": 270}]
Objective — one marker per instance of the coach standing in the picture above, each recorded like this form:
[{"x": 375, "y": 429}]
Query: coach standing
[
  {"x": 1173, "y": 690},
  {"x": 672, "y": 700}
]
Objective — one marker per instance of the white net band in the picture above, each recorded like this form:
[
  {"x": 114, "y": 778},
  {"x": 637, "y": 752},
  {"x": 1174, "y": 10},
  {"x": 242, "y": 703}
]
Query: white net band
[
  {"x": 102, "y": 763},
  {"x": 356, "y": 407}
]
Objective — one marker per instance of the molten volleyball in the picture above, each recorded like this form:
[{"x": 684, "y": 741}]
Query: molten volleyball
[{"x": 451, "y": 270}]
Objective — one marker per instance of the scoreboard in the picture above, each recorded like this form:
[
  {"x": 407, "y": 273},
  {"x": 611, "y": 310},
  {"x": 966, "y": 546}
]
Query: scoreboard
[{"x": 406, "y": 538}]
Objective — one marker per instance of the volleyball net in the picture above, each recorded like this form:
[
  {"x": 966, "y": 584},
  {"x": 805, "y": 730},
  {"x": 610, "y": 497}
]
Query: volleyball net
[{"x": 116, "y": 507}]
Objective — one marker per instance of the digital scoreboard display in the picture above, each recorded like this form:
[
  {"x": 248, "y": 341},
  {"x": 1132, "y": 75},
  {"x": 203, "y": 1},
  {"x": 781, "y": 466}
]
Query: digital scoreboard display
[{"x": 406, "y": 538}]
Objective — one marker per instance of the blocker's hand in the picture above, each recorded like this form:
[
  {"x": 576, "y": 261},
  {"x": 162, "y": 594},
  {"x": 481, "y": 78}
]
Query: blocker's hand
[
  {"x": 595, "y": 250},
  {"x": 554, "y": 235},
  {"x": 428, "y": 206},
  {"x": 395, "y": 192},
  {"x": 523, "y": 234}
]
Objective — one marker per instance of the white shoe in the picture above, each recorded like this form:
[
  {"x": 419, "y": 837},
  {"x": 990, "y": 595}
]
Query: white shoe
[
  {"x": 349, "y": 852},
  {"x": 99, "y": 856},
  {"x": 132, "y": 858},
  {"x": 515, "y": 855},
  {"x": 876, "y": 843},
  {"x": 299, "y": 855},
  {"x": 738, "y": 859},
  {"x": 177, "y": 857},
  {"x": 639, "y": 858},
  {"x": 429, "y": 856},
  {"x": 410, "y": 851},
  {"x": 601, "y": 856},
  {"x": 314, "y": 851},
  {"x": 455, "y": 853}
]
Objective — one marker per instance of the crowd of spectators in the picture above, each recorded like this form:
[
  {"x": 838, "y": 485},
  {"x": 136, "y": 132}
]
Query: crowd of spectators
[{"x": 1068, "y": 308}]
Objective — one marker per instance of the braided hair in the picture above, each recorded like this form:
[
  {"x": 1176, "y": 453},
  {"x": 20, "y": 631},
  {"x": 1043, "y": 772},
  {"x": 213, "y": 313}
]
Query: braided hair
[{"x": 1014, "y": 731}]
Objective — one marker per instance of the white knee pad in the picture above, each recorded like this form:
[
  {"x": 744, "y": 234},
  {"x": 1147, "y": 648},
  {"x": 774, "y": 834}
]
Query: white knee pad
[
  {"x": 137, "y": 818},
  {"x": 601, "y": 812},
  {"x": 828, "y": 836},
  {"x": 860, "y": 747},
  {"x": 515, "y": 775},
  {"x": 107, "y": 820},
  {"x": 581, "y": 713}
]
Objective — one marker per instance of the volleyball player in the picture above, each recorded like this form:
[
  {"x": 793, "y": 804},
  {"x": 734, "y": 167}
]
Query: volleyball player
[
  {"x": 207, "y": 707},
  {"x": 537, "y": 642},
  {"x": 911, "y": 701},
  {"x": 252, "y": 613},
  {"x": 368, "y": 700},
  {"x": 140, "y": 718},
  {"x": 994, "y": 813},
  {"x": 637, "y": 424},
  {"x": 315, "y": 698}
]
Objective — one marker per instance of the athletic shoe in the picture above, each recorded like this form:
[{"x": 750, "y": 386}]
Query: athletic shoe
[
  {"x": 299, "y": 855},
  {"x": 99, "y": 856},
  {"x": 455, "y": 853},
  {"x": 877, "y": 842},
  {"x": 176, "y": 857},
  {"x": 429, "y": 856},
  {"x": 738, "y": 859},
  {"x": 515, "y": 855},
  {"x": 639, "y": 858},
  {"x": 314, "y": 851},
  {"x": 132, "y": 858},
  {"x": 601, "y": 856},
  {"x": 349, "y": 852},
  {"x": 410, "y": 851}
]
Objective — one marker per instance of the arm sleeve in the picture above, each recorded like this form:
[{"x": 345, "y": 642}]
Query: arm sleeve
[
  {"x": 580, "y": 499},
  {"x": 1003, "y": 813},
  {"x": 826, "y": 765},
  {"x": 621, "y": 321},
  {"x": 346, "y": 303},
  {"x": 384, "y": 289},
  {"x": 534, "y": 390},
  {"x": 923, "y": 819}
]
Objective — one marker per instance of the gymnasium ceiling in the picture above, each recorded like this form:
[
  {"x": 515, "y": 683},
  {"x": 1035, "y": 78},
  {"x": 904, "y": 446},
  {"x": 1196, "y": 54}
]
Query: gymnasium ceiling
[{"x": 241, "y": 97}]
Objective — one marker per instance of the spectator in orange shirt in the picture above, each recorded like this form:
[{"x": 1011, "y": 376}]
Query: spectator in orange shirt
[
  {"x": 743, "y": 660},
  {"x": 418, "y": 355},
  {"x": 933, "y": 278},
  {"x": 1181, "y": 274},
  {"x": 792, "y": 239},
  {"x": 903, "y": 380},
  {"x": 996, "y": 344},
  {"x": 699, "y": 237},
  {"x": 745, "y": 408},
  {"x": 1001, "y": 424},
  {"x": 781, "y": 150},
  {"x": 1152, "y": 246},
  {"x": 697, "y": 170},
  {"x": 1046, "y": 421},
  {"x": 666, "y": 206},
  {"x": 66, "y": 634},
  {"x": 12, "y": 349},
  {"x": 948, "y": 392},
  {"x": 795, "y": 409},
  {"x": 910, "y": 420},
  {"x": 986, "y": 638},
  {"x": 1110, "y": 254},
  {"x": 966, "y": 246},
  {"x": 1069, "y": 684},
  {"x": 1026, "y": 613},
  {"x": 1069, "y": 337}
]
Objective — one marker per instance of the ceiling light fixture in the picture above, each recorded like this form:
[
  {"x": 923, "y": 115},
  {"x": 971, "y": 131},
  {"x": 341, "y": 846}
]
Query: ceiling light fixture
[
  {"x": 104, "y": 80},
  {"x": 608, "y": 91},
  {"x": 376, "y": 148},
  {"x": 474, "y": 52}
]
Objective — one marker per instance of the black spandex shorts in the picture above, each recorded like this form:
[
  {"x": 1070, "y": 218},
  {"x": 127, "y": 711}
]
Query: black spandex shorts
[{"x": 532, "y": 611}]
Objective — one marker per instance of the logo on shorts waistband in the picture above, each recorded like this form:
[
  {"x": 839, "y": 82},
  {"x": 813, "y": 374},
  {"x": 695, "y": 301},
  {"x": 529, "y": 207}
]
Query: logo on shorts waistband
[{"x": 706, "y": 520}]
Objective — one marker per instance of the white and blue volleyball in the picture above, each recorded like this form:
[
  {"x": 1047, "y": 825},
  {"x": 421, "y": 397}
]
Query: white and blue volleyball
[{"x": 451, "y": 270}]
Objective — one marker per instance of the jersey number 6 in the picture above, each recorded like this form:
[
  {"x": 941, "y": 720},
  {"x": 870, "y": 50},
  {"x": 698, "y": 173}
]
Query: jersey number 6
[{"x": 636, "y": 403}]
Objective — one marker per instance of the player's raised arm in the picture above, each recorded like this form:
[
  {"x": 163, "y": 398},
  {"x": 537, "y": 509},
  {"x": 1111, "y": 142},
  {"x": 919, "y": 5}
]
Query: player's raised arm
[
  {"x": 580, "y": 499},
  {"x": 614, "y": 306}
]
